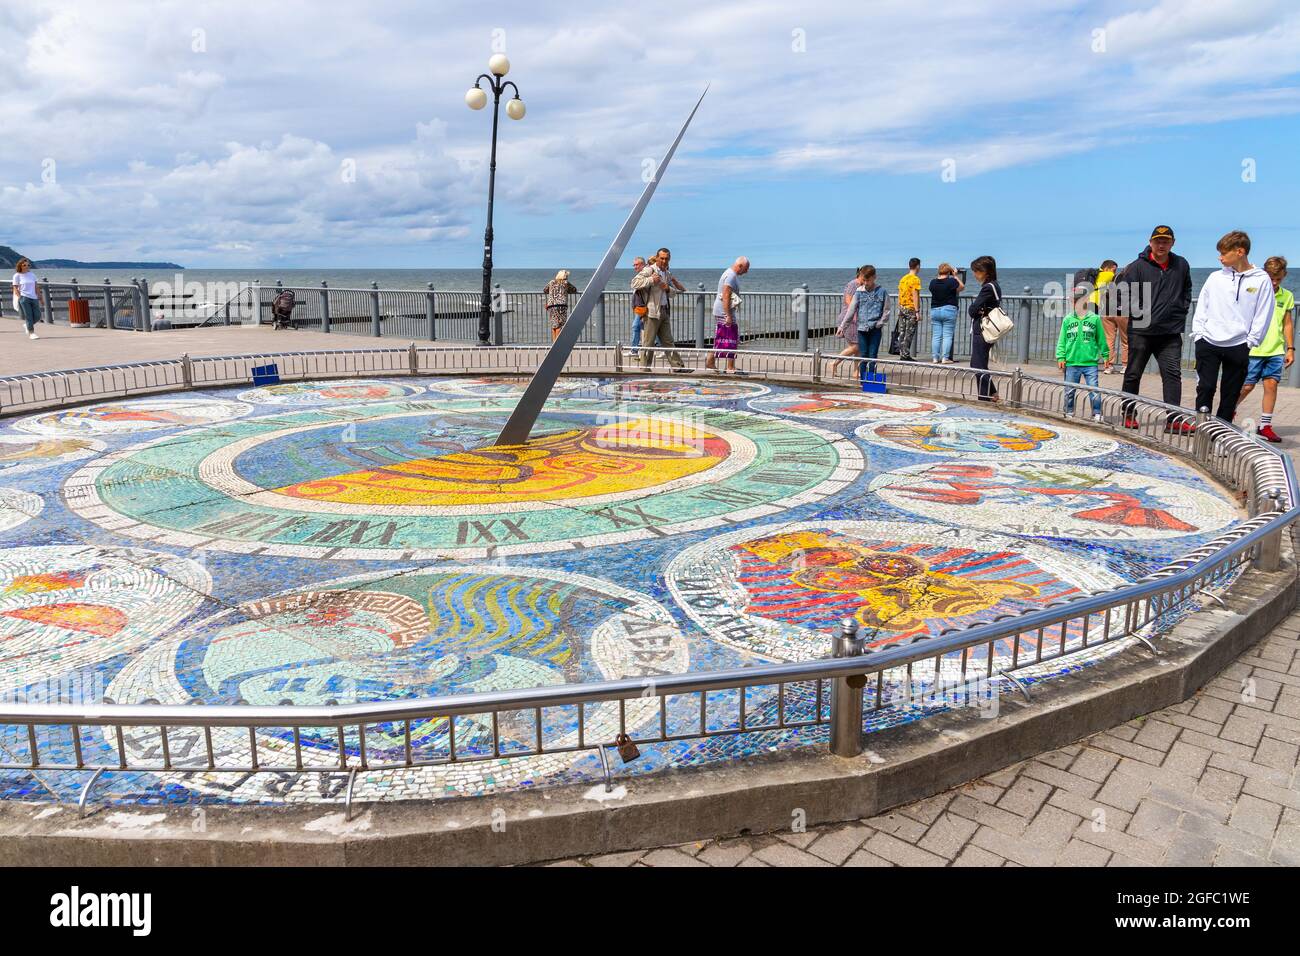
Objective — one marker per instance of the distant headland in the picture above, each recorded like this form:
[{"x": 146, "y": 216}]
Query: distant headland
[{"x": 9, "y": 258}]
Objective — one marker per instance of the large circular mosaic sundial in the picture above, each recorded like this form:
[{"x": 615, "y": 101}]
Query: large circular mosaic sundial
[{"x": 365, "y": 541}]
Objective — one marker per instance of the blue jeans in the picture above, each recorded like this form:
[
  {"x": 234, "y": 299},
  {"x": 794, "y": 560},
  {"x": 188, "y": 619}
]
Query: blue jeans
[
  {"x": 30, "y": 310},
  {"x": 636, "y": 332},
  {"x": 868, "y": 347},
  {"x": 943, "y": 323},
  {"x": 1088, "y": 374}
]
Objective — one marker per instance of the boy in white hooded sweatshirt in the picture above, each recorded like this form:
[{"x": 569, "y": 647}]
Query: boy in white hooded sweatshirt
[{"x": 1232, "y": 316}]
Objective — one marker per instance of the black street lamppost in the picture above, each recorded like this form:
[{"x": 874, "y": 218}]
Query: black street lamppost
[{"x": 476, "y": 99}]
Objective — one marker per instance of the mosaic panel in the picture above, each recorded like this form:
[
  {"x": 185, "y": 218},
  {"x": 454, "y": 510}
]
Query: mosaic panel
[
  {"x": 328, "y": 393},
  {"x": 363, "y": 541}
]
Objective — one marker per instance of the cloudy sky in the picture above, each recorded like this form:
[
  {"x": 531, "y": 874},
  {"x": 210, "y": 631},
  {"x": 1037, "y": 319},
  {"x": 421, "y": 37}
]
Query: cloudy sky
[{"x": 324, "y": 134}]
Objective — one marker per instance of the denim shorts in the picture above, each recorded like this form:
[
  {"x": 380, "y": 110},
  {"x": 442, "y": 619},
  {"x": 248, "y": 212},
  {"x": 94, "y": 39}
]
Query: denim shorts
[{"x": 1262, "y": 367}]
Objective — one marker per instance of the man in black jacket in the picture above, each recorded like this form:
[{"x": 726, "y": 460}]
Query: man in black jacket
[{"x": 1156, "y": 294}]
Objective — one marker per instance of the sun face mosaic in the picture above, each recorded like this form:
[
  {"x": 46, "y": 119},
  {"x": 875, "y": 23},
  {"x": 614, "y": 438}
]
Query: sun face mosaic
[{"x": 363, "y": 541}]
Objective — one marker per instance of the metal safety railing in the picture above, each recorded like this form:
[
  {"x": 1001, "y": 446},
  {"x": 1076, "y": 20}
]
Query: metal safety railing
[
  {"x": 928, "y": 671},
  {"x": 799, "y": 320}
]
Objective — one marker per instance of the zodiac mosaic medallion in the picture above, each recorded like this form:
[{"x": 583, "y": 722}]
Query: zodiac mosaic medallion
[
  {"x": 327, "y": 393},
  {"x": 987, "y": 438},
  {"x": 1054, "y": 499},
  {"x": 390, "y": 636},
  {"x": 113, "y": 418},
  {"x": 847, "y": 406},
  {"x": 779, "y": 591}
]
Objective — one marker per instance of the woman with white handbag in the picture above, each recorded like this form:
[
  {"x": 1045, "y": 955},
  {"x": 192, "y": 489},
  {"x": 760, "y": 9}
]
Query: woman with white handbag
[{"x": 988, "y": 322}]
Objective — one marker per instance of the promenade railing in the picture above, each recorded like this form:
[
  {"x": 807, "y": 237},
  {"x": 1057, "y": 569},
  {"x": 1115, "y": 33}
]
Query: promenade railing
[
  {"x": 929, "y": 671},
  {"x": 797, "y": 321}
]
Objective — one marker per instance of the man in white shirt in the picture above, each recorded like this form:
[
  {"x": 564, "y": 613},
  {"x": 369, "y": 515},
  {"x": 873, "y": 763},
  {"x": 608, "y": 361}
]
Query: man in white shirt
[{"x": 1232, "y": 316}]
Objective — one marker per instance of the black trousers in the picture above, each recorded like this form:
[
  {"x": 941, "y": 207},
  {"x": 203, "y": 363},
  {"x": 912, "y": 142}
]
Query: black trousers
[
  {"x": 979, "y": 358},
  {"x": 1233, "y": 361},
  {"x": 1167, "y": 351}
]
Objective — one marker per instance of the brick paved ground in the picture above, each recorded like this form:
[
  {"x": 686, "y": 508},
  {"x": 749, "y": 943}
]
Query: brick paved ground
[{"x": 1213, "y": 781}]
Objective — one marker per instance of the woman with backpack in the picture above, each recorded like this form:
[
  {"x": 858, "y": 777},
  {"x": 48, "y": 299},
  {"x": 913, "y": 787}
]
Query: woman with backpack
[
  {"x": 985, "y": 270},
  {"x": 556, "y": 296}
]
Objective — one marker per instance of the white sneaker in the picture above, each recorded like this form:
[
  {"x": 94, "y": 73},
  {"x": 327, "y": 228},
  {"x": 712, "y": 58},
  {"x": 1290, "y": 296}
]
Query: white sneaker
[
  {"x": 33, "y": 336},
  {"x": 1098, "y": 419}
]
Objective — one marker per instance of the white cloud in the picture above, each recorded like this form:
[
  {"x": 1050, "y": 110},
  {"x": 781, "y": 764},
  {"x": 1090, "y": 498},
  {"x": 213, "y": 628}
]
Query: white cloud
[{"x": 236, "y": 150}]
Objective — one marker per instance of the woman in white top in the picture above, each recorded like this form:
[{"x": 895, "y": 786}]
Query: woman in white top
[{"x": 29, "y": 307}]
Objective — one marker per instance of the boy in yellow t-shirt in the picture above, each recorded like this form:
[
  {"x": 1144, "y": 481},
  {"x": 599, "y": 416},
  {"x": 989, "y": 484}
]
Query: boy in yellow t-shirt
[
  {"x": 1276, "y": 352},
  {"x": 909, "y": 307},
  {"x": 1116, "y": 326}
]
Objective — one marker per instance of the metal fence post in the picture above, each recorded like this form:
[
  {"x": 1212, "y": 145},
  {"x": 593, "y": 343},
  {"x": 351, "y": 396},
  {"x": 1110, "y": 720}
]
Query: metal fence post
[
  {"x": 324, "y": 306},
  {"x": 45, "y": 296},
  {"x": 256, "y": 302},
  {"x": 498, "y": 319},
  {"x": 431, "y": 313},
  {"x": 1201, "y": 441},
  {"x": 817, "y": 366},
  {"x": 108, "y": 303},
  {"x": 187, "y": 371},
  {"x": 1022, "y": 341},
  {"x": 699, "y": 317},
  {"x": 600, "y": 320},
  {"x": 1293, "y": 375},
  {"x": 376, "y": 329},
  {"x": 846, "y": 699},
  {"x": 1268, "y": 557},
  {"x": 414, "y": 359},
  {"x": 802, "y": 295},
  {"x": 618, "y": 356},
  {"x": 145, "y": 307},
  {"x": 1016, "y": 389}
]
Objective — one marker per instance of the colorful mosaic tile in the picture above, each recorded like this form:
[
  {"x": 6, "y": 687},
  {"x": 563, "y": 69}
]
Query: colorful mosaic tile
[
  {"x": 847, "y": 406},
  {"x": 23, "y": 453},
  {"x": 681, "y": 390},
  {"x": 328, "y": 393},
  {"x": 499, "y": 386},
  {"x": 18, "y": 507},
  {"x": 115, "y": 418},
  {"x": 363, "y": 541}
]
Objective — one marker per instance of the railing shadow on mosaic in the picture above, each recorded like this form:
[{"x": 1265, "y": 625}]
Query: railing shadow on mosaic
[{"x": 955, "y": 667}]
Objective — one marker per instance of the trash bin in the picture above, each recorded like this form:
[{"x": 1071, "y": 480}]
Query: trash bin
[{"x": 79, "y": 313}]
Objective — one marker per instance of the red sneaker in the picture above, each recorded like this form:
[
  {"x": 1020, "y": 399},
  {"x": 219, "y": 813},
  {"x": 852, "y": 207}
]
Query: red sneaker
[
  {"x": 1180, "y": 428},
  {"x": 1268, "y": 434},
  {"x": 1131, "y": 423}
]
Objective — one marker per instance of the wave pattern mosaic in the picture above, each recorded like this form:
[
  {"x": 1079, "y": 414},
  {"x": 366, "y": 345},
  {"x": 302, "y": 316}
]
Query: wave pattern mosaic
[{"x": 363, "y": 541}]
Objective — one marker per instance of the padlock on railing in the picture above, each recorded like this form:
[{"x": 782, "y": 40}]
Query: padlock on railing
[{"x": 626, "y": 749}]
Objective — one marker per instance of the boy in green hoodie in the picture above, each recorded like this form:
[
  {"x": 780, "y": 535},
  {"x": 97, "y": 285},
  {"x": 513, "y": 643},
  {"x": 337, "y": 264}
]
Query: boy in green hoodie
[{"x": 1081, "y": 343}]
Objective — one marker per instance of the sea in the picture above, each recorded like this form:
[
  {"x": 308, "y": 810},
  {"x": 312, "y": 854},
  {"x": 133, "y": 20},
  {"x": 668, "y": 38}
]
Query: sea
[{"x": 1031, "y": 281}]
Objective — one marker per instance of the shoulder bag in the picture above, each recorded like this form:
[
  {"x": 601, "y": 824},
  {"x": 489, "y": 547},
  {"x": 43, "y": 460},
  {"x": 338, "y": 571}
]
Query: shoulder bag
[{"x": 995, "y": 323}]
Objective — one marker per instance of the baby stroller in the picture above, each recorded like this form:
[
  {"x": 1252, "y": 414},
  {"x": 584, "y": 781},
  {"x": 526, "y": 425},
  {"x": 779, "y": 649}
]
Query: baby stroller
[{"x": 282, "y": 310}]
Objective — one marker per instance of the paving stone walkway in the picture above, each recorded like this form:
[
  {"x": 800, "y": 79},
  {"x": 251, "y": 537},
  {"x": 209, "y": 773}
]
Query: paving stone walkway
[{"x": 1213, "y": 781}]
